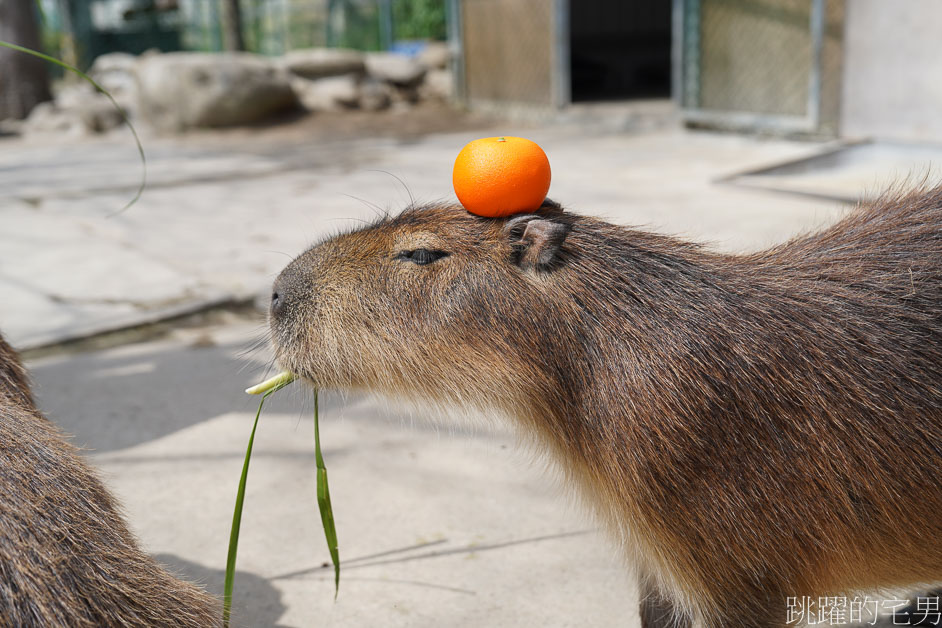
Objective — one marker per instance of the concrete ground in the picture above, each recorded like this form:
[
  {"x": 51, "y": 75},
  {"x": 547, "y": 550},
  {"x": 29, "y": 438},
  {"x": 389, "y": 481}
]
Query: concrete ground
[{"x": 452, "y": 525}]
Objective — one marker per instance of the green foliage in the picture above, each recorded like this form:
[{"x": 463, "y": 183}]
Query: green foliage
[
  {"x": 359, "y": 25},
  {"x": 419, "y": 19},
  {"x": 354, "y": 25}
]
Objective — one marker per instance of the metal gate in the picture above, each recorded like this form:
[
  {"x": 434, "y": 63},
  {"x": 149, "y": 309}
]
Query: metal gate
[{"x": 760, "y": 64}]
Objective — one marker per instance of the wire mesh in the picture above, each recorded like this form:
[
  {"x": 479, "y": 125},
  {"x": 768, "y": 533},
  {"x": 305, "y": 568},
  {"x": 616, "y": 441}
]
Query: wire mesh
[
  {"x": 508, "y": 50},
  {"x": 269, "y": 26},
  {"x": 773, "y": 60},
  {"x": 755, "y": 55},
  {"x": 275, "y": 26}
]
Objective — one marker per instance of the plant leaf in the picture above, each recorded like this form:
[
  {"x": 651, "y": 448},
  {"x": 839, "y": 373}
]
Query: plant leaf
[
  {"x": 323, "y": 502},
  {"x": 237, "y": 515}
]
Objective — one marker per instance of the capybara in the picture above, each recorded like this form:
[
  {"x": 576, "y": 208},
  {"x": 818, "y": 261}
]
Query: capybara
[
  {"x": 749, "y": 428},
  {"x": 67, "y": 557}
]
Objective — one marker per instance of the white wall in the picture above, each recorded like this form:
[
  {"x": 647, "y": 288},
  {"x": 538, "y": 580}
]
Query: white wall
[{"x": 892, "y": 85}]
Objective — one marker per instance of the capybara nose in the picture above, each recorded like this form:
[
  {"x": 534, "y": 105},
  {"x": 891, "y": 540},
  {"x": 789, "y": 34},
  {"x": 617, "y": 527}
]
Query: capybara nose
[
  {"x": 287, "y": 289},
  {"x": 277, "y": 301},
  {"x": 279, "y": 296}
]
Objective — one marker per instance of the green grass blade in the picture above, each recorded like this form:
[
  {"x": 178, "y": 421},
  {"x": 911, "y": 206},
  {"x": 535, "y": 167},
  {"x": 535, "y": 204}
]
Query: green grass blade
[
  {"x": 124, "y": 116},
  {"x": 323, "y": 502},
  {"x": 237, "y": 517}
]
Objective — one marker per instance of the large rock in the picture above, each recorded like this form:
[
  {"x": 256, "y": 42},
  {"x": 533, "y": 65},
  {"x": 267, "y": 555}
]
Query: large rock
[
  {"x": 435, "y": 56},
  {"x": 438, "y": 85},
  {"x": 181, "y": 90},
  {"x": 113, "y": 62},
  {"x": 314, "y": 63},
  {"x": 375, "y": 95},
  {"x": 79, "y": 114},
  {"x": 394, "y": 68},
  {"x": 115, "y": 72},
  {"x": 48, "y": 119},
  {"x": 333, "y": 93},
  {"x": 71, "y": 94},
  {"x": 99, "y": 114}
]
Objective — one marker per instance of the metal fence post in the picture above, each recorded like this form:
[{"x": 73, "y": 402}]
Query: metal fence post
[
  {"x": 814, "y": 77},
  {"x": 385, "y": 24},
  {"x": 455, "y": 45},
  {"x": 562, "y": 70}
]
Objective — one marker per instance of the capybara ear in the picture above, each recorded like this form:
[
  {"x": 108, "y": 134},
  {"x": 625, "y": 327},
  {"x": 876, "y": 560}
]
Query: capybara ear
[{"x": 535, "y": 240}]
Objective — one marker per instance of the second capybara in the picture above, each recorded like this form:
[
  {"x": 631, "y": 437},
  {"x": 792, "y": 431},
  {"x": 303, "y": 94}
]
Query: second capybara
[{"x": 67, "y": 557}]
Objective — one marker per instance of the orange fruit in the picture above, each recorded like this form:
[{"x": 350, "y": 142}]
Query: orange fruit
[{"x": 500, "y": 176}]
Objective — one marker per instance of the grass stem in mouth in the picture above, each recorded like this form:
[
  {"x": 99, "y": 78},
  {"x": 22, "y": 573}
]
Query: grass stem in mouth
[
  {"x": 323, "y": 502},
  {"x": 237, "y": 514},
  {"x": 272, "y": 384},
  {"x": 265, "y": 389}
]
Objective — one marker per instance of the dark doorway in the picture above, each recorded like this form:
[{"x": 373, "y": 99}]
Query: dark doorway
[{"x": 620, "y": 49}]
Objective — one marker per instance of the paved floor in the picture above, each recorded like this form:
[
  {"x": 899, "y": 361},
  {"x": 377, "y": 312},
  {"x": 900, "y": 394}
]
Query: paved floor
[
  {"x": 852, "y": 171},
  {"x": 439, "y": 526}
]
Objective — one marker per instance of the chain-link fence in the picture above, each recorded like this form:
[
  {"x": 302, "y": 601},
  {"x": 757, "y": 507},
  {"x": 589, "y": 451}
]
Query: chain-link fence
[
  {"x": 762, "y": 63},
  {"x": 276, "y": 26},
  {"x": 80, "y": 30}
]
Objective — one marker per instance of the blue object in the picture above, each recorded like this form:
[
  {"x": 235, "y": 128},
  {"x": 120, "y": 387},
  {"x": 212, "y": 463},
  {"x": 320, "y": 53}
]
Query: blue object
[{"x": 409, "y": 47}]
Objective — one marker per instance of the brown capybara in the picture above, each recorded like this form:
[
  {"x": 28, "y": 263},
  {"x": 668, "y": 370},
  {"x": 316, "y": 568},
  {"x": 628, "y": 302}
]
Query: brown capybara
[
  {"x": 748, "y": 427},
  {"x": 66, "y": 555}
]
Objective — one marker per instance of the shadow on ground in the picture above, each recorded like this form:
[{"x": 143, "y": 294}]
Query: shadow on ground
[
  {"x": 114, "y": 399},
  {"x": 255, "y": 601},
  {"x": 123, "y": 397}
]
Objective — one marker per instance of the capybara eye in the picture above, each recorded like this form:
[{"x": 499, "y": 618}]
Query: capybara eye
[{"x": 421, "y": 256}]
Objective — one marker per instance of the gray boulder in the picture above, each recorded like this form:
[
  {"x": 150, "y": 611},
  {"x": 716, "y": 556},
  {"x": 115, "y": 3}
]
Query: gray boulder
[
  {"x": 47, "y": 119},
  {"x": 375, "y": 95},
  {"x": 394, "y": 68},
  {"x": 438, "y": 85},
  {"x": 78, "y": 109},
  {"x": 71, "y": 94},
  {"x": 92, "y": 113},
  {"x": 435, "y": 56},
  {"x": 113, "y": 62},
  {"x": 333, "y": 93},
  {"x": 115, "y": 72},
  {"x": 99, "y": 114},
  {"x": 314, "y": 63},
  {"x": 182, "y": 90}
]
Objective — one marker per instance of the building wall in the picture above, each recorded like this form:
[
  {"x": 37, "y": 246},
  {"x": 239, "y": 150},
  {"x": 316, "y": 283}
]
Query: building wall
[{"x": 892, "y": 85}]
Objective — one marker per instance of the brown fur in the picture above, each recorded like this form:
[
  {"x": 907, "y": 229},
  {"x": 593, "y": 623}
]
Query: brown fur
[
  {"x": 751, "y": 427},
  {"x": 66, "y": 555}
]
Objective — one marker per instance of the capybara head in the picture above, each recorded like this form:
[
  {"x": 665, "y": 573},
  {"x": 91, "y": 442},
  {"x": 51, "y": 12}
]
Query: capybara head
[{"x": 434, "y": 303}]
